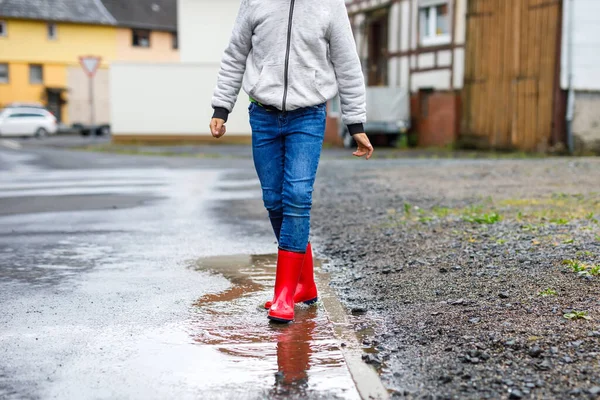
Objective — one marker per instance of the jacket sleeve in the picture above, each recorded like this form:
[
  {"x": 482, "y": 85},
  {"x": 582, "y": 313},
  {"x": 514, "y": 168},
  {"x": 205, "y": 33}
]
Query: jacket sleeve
[
  {"x": 233, "y": 63},
  {"x": 351, "y": 82}
]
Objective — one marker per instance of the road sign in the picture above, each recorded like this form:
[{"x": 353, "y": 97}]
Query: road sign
[{"x": 90, "y": 64}]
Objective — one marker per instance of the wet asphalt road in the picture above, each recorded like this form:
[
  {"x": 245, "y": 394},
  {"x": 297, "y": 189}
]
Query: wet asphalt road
[{"x": 116, "y": 282}]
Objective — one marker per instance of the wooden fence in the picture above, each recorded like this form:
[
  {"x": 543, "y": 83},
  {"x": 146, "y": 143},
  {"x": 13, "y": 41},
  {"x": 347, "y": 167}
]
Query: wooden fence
[{"x": 512, "y": 74}]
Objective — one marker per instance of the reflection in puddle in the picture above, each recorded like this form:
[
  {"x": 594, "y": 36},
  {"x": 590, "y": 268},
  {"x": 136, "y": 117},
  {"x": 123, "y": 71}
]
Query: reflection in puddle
[{"x": 298, "y": 360}]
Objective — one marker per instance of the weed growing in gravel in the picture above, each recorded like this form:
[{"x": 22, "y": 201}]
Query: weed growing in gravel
[
  {"x": 529, "y": 228},
  {"x": 441, "y": 212},
  {"x": 482, "y": 218},
  {"x": 590, "y": 217},
  {"x": 407, "y": 208},
  {"x": 559, "y": 209},
  {"x": 548, "y": 292},
  {"x": 575, "y": 315},
  {"x": 582, "y": 268},
  {"x": 574, "y": 265}
]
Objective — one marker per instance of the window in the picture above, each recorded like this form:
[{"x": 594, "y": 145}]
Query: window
[
  {"x": 175, "y": 40},
  {"x": 52, "y": 33},
  {"x": 434, "y": 23},
  {"x": 2, "y": 28},
  {"x": 3, "y": 73},
  {"x": 36, "y": 74},
  {"x": 140, "y": 38},
  {"x": 26, "y": 115}
]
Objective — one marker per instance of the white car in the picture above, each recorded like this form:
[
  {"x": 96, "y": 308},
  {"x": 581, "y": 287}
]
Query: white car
[{"x": 27, "y": 121}]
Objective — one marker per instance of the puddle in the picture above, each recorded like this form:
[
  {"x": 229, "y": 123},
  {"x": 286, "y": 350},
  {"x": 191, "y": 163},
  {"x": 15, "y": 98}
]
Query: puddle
[{"x": 301, "y": 360}]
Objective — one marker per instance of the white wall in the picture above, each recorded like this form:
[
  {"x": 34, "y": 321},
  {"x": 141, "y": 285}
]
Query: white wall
[
  {"x": 163, "y": 99},
  {"x": 459, "y": 68},
  {"x": 460, "y": 28},
  {"x": 439, "y": 80},
  {"x": 204, "y": 28},
  {"x": 159, "y": 99},
  {"x": 393, "y": 44},
  {"x": 586, "y": 44}
]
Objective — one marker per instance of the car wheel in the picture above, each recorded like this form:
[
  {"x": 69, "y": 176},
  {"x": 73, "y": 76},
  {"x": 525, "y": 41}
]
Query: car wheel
[
  {"x": 392, "y": 140},
  {"x": 103, "y": 130},
  {"x": 40, "y": 133},
  {"x": 348, "y": 140}
]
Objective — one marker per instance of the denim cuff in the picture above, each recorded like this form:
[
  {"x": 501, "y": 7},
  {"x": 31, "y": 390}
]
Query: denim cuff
[
  {"x": 356, "y": 128},
  {"x": 293, "y": 251},
  {"x": 220, "y": 112}
]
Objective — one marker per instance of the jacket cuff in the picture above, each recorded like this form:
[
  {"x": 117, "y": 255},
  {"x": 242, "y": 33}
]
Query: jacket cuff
[
  {"x": 356, "y": 128},
  {"x": 221, "y": 113}
]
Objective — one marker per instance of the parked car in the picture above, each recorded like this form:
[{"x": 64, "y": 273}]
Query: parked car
[
  {"x": 94, "y": 130},
  {"x": 388, "y": 115},
  {"x": 27, "y": 121}
]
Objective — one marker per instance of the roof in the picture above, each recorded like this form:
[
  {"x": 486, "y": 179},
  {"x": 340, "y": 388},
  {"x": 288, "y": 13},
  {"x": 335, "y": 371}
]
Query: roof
[
  {"x": 79, "y": 11},
  {"x": 144, "y": 14}
]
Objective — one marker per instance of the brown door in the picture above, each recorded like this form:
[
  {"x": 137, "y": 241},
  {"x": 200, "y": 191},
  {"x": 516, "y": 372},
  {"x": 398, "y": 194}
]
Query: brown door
[
  {"x": 54, "y": 103},
  {"x": 512, "y": 52},
  {"x": 377, "y": 34}
]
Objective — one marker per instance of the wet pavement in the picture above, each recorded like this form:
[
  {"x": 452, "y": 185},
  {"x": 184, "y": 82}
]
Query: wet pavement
[
  {"x": 118, "y": 281},
  {"x": 301, "y": 360}
]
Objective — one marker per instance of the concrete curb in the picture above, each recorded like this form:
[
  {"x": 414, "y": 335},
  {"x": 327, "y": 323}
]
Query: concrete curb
[{"x": 365, "y": 377}]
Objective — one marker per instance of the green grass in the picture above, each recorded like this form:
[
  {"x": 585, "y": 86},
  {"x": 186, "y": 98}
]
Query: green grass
[
  {"x": 548, "y": 292},
  {"x": 482, "y": 218},
  {"x": 582, "y": 268},
  {"x": 575, "y": 315}
]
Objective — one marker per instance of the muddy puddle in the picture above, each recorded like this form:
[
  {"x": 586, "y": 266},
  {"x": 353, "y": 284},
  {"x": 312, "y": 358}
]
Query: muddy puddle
[{"x": 246, "y": 356}]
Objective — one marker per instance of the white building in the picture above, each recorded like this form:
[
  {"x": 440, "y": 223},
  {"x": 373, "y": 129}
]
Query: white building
[
  {"x": 419, "y": 45},
  {"x": 581, "y": 59},
  {"x": 172, "y": 102}
]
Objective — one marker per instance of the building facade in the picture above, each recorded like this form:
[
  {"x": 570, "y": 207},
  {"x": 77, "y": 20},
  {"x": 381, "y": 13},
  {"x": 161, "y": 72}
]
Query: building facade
[
  {"x": 579, "y": 66},
  {"x": 417, "y": 45},
  {"x": 146, "y": 30},
  {"x": 153, "y": 116},
  {"x": 41, "y": 43}
]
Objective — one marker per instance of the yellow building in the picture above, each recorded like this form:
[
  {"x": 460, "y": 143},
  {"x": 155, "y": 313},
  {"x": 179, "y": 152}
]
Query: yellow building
[{"x": 40, "y": 49}]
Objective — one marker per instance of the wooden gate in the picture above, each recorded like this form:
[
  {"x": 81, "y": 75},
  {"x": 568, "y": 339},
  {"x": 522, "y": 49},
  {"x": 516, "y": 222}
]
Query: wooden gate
[{"x": 511, "y": 73}]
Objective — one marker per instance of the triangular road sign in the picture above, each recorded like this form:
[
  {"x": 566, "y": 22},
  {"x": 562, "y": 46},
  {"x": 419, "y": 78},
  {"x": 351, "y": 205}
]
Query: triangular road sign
[{"x": 90, "y": 64}]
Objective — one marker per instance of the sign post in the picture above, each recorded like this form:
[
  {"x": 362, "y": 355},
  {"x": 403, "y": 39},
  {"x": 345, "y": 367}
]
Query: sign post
[{"x": 90, "y": 65}]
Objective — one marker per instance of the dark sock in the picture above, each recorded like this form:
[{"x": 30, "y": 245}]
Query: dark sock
[{"x": 276, "y": 218}]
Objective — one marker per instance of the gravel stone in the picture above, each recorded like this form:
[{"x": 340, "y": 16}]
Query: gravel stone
[
  {"x": 423, "y": 282},
  {"x": 515, "y": 394},
  {"x": 535, "y": 351}
]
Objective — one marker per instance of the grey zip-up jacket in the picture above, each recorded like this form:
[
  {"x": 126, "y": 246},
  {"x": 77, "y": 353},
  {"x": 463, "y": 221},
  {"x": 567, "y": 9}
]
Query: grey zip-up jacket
[{"x": 292, "y": 54}]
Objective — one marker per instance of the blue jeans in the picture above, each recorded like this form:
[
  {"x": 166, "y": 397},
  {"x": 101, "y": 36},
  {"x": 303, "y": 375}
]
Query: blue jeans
[{"x": 286, "y": 147}]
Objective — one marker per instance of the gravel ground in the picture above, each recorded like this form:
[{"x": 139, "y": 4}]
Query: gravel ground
[{"x": 469, "y": 278}]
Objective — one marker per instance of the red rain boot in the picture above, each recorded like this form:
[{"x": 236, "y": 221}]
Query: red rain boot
[
  {"x": 289, "y": 266},
  {"x": 306, "y": 290}
]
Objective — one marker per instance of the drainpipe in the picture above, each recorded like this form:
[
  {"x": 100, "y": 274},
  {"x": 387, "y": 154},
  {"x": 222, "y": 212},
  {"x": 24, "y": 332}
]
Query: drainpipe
[{"x": 571, "y": 96}]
